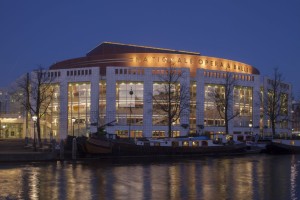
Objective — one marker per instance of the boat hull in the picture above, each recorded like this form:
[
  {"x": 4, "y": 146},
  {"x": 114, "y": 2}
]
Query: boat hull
[
  {"x": 282, "y": 148},
  {"x": 94, "y": 146},
  {"x": 116, "y": 148},
  {"x": 153, "y": 150}
]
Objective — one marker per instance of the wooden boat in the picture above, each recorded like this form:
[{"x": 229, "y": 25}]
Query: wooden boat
[
  {"x": 284, "y": 146},
  {"x": 98, "y": 146},
  {"x": 166, "y": 146}
]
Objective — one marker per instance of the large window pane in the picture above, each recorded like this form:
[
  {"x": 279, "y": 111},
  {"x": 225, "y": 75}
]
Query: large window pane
[
  {"x": 129, "y": 103},
  {"x": 79, "y": 101}
]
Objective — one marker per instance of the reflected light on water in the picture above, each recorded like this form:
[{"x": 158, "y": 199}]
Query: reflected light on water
[
  {"x": 33, "y": 183},
  {"x": 294, "y": 174},
  {"x": 245, "y": 177},
  {"x": 174, "y": 181}
]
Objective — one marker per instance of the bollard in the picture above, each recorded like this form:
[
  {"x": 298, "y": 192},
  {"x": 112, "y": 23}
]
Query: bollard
[
  {"x": 26, "y": 141},
  {"x": 53, "y": 146},
  {"x": 61, "y": 150},
  {"x": 74, "y": 148}
]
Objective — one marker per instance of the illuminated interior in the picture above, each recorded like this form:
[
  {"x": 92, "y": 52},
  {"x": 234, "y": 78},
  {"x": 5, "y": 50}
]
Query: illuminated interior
[{"x": 79, "y": 101}]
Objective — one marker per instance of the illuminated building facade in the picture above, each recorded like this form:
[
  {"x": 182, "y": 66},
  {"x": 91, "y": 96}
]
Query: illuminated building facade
[
  {"x": 12, "y": 123},
  {"x": 296, "y": 118},
  {"x": 116, "y": 83},
  {"x": 98, "y": 88}
]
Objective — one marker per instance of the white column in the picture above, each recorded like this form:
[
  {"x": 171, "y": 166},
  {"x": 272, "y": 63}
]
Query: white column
[
  {"x": 94, "y": 112},
  {"x": 200, "y": 94},
  {"x": 148, "y": 91},
  {"x": 256, "y": 104},
  {"x": 63, "y": 115},
  {"x": 185, "y": 115},
  {"x": 110, "y": 97}
]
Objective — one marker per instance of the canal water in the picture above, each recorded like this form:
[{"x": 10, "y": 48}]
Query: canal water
[{"x": 243, "y": 177}]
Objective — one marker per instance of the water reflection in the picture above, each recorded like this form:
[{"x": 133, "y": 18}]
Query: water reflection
[
  {"x": 245, "y": 177},
  {"x": 294, "y": 174}
]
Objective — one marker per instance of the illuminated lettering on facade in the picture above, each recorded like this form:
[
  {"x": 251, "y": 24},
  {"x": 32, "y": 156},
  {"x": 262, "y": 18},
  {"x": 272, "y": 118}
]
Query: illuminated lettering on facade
[{"x": 194, "y": 61}]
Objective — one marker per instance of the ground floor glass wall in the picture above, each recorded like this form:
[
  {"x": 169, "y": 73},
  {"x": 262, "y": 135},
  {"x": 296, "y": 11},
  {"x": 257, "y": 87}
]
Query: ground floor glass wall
[
  {"x": 50, "y": 121},
  {"x": 193, "y": 109},
  {"x": 242, "y": 97},
  {"x": 129, "y": 105},
  {"x": 102, "y": 103},
  {"x": 133, "y": 133},
  {"x": 79, "y": 101},
  {"x": 11, "y": 130},
  {"x": 211, "y": 115},
  {"x": 163, "y": 95}
]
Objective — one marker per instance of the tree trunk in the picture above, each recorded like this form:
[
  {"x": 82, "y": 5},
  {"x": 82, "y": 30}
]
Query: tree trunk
[
  {"x": 273, "y": 128},
  {"x": 169, "y": 123},
  {"x": 38, "y": 127},
  {"x": 226, "y": 121}
]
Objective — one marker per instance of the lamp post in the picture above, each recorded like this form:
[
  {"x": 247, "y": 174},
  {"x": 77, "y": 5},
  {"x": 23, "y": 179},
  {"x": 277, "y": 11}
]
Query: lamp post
[
  {"x": 73, "y": 121},
  {"x": 34, "y": 118},
  {"x": 3, "y": 128},
  {"x": 130, "y": 93},
  {"x": 250, "y": 126}
]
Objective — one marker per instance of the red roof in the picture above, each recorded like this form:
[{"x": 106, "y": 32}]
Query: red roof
[{"x": 109, "y": 48}]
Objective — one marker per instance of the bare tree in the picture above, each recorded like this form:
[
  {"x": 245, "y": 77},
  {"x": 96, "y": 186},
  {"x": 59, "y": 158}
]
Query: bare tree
[
  {"x": 223, "y": 99},
  {"x": 35, "y": 93},
  {"x": 275, "y": 100},
  {"x": 171, "y": 98}
]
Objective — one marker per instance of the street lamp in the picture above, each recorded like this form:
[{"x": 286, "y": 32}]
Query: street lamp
[
  {"x": 73, "y": 121},
  {"x": 250, "y": 126},
  {"x": 34, "y": 118},
  {"x": 3, "y": 128},
  {"x": 130, "y": 93}
]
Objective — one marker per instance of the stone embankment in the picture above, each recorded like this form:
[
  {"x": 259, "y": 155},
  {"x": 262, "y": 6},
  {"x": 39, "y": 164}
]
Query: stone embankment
[{"x": 15, "y": 150}]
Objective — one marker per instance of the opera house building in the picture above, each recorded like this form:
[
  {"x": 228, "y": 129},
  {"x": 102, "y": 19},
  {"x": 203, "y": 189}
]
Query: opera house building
[{"x": 119, "y": 85}]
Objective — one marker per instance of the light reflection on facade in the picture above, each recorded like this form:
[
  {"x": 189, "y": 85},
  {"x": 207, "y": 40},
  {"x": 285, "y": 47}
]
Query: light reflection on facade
[{"x": 94, "y": 90}]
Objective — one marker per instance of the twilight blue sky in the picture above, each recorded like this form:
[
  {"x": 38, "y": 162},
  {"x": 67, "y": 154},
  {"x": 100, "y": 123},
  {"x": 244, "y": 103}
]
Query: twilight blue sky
[{"x": 262, "y": 33}]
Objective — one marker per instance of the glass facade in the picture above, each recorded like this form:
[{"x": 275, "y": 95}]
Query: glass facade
[
  {"x": 79, "y": 101},
  {"x": 158, "y": 134},
  {"x": 211, "y": 114},
  {"x": 193, "y": 107},
  {"x": 161, "y": 92},
  {"x": 243, "y": 100},
  {"x": 50, "y": 121},
  {"x": 284, "y": 104},
  {"x": 11, "y": 130},
  {"x": 134, "y": 133},
  {"x": 102, "y": 103},
  {"x": 129, "y": 105},
  {"x": 11, "y": 112}
]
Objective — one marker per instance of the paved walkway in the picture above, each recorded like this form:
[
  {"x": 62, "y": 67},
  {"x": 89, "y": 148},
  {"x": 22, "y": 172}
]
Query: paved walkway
[{"x": 16, "y": 150}]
